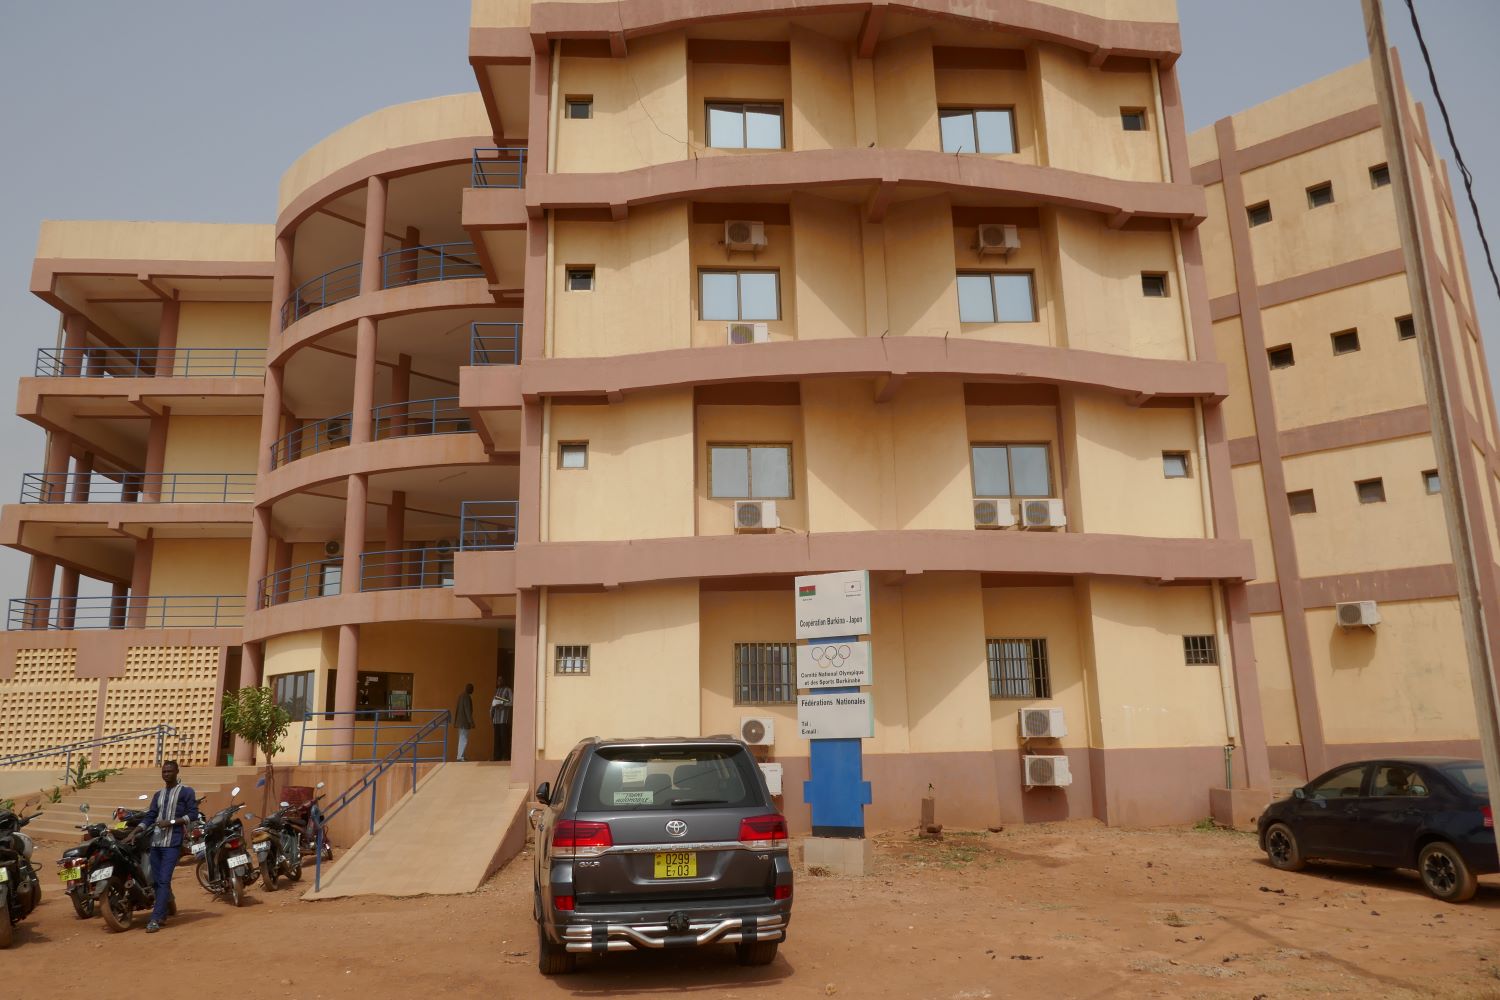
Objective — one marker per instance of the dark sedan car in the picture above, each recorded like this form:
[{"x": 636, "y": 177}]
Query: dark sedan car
[{"x": 1427, "y": 813}]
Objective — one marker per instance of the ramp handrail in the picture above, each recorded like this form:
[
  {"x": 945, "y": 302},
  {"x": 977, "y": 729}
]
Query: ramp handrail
[
  {"x": 161, "y": 731},
  {"x": 371, "y": 777}
]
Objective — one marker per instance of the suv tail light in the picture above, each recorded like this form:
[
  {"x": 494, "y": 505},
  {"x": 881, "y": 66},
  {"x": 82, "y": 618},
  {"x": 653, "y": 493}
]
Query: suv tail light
[
  {"x": 762, "y": 832},
  {"x": 1489, "y": 817},
  {"x": 562, "y": 902},
  {"x": 781, "y": 892},
  {"x": 573, "y": 838}
]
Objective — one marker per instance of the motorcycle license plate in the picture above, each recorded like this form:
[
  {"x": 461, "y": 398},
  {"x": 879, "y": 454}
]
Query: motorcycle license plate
[
  {"x": 678, "y": 864},
  {"x": 262, "y": 847},
  {"x": 199, "y": 849},
  {"x": 100, "y": 874},
  {"x": 70, "y": 874},
  {"x": 239, "y": 861}
]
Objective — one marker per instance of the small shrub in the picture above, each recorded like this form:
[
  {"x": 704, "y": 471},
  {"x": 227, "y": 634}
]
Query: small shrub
[{"x": 7, "y": 805}]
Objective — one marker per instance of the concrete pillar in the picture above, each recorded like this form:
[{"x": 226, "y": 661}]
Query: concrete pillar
[
  {"x": 400, "y": 393},
  {"x": 523, "y": 687},
  {"x": 166, "y": 337},
  {"x": 345, "y": 689},
  {"x": 75, "y": 340},
  {"x": 260, "y": 535},
  {"x": 118, "y": 594},
  {"x": 83, "y": 468},
  {"x": 55, "y": 468},
  {"x": 270, "y": 418},
  {"x": 39, "y": 591},
  {"x": 251, "y": 660},
  {"x": 362, "y": 420},
  {"x": 67, "y": 599},
  {"x": 281, "y": 283},
  {"x": 140, "y": 583},
  {"x": 395, "y": 531},
  {"x": 156, "y": 456},
  {"x": 354, "y": 532},
  {"x": 376, "y": 191}
]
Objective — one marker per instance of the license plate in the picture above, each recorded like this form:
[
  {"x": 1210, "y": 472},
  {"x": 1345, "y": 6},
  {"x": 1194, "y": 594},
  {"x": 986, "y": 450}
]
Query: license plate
[
  {"x": 4, "y": 875},
  {"x": 199, "y": 849},
  {"x": 239, "y": 861},
  {"x": 70, "y": 874},
  {"x": 100, "y": 874},
  {"x": 677, "y": 864},
  {"x": 262, "y": 847}
]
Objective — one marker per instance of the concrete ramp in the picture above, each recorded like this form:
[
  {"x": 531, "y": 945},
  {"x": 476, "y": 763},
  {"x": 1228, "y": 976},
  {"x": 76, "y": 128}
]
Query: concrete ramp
[{"x": 461, "y": 823}]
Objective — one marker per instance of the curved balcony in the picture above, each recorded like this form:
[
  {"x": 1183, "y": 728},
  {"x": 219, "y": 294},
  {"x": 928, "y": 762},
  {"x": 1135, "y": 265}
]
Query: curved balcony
[
  {"x": 320, "y": 578},
  {"x": 398, "y": 268},
  {"x": 405, "y": 569},
  {"x": 332, "y": 286},
  {"x": 151, "y": 362},
  {"x": 413, "y": 418},
  {"x": 138, "y": 487},
  {"x": 174, "y": 611},
  {"x": 309, "y": 439}
]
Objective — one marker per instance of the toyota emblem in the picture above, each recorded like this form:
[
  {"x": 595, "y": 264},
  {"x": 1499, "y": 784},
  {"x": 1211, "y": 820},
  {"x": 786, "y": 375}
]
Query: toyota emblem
[{"x": 676, "y": 828}]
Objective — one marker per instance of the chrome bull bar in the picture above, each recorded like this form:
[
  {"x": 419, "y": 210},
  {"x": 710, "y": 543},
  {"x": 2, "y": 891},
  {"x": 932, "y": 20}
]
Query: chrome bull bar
[{"x": 599, "y": 938}]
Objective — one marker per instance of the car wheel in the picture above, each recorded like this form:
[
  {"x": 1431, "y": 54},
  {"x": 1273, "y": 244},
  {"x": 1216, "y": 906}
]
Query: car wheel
[
  {"x": 1444, "y": 873},
  {"x": 553, "y": 959},
  {"x": 1282, "y": 849},
  {"x": 756, "y": 953}
]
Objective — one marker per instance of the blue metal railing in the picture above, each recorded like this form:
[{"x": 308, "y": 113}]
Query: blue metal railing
[
  {"x": 332, "y": 286},
  {"x": 421, "y": 741},
  {"x": 175, "y": 611},
  {"x": 309, "y": 439},
  {"x": 151, "y": 362},
  {"x": 435, "y": 262},
  {"x": 321, "y": 578},
  {"x": 494, "y": 343},
  {"x": 160, "y": 732},
  {"x": 487, "y": 524},
  {"x": 130, "y": 487},
  {"x": 419, "y": 417},
  {"x": 499, "y": 167},
  {"x": 406, "y": 569}
]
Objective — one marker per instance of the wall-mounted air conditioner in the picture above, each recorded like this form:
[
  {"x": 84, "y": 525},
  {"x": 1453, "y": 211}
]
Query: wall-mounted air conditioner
[
  {"x": 747, "y": 333},
  {"x": 996, "y": 238},
  {"x": 332, "y": 549},
  {"x": 751, "y": 516},
  {"x": 740, "y": 234},
  {"x": 1354, "y": 614},
  {"x": 1042, "y": 723},
  {"x": 992, "y": 512},
  {"x": 1046, "y": 771},
  {"x": 758, "y": 730},
  {"x": 1043, "y": 514},
  {"x": 337, "y": 431}
]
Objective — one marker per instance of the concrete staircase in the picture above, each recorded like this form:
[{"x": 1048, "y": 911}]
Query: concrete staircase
[
  {"x": 59, "y": 819},
  {"x": 462, "y": 822}
]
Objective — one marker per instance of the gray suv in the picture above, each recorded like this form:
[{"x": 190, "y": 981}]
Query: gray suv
[{"x": 659, "y": 843}]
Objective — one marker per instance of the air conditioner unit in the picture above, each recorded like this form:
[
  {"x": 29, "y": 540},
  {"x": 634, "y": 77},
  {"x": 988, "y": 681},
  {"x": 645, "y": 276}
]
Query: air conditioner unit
[
  {"x": 747, "y": 333},
  {"x": 1353, "y": 614},
  {"x": 993, "y": 513},
  {"x": 997, "y": 238},
  {"x": 337, "y": 430},
  {"x": 1042, "y": 514},
  {"x": 1046, "y": 771},
  {"x": 742, "y": 235},
  {"x": 333, "y": 548},
  {"x": 755, "y": 515},
  {"x": 1042, "y": 723},
  {"x": 445, "y": 545},
  {"x": 758, "y": 730}
]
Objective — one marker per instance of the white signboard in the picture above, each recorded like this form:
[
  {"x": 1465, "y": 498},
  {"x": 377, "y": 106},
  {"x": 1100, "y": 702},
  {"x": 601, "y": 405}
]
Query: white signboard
[
  {"x": 834, "y": 664},
  {"x": 836, "y": 716},
  {"x": 833, "y": 604}
]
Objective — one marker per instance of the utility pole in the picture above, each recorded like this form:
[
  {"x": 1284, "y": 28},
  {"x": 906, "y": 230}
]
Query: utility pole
[{"x": 1436, "y": 379}]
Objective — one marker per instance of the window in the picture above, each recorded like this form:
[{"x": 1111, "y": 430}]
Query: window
[
  {"x": 765, "y": 673},
  {"x": 739, "y": 295},
  {"x": 1431, "y": 482},
  {"x": 1018, "y": 668},
  {"x": 580, "y": 107},
  {"x": 996, "y": 298},
  {"x": 1397, "y": 780},
  {"x": 1345, "y": 784},
  {"x": 1200, "y": 650},
  {"x": 293, "y": 692},
  {"x": 573, "y": 455},
  {"x": 1345, "y": 342},
  {"x": 1153, "y": 285},
  {"x": 1259, "y": 214},
  {"x": 330, "y": 577},
  {"x": 1406, "y": 329},
  {"x": 1302, "y": 502},
  {"x": 570, "y": 659},
  {"x": 580, "y": 279},
  {"x": 977, "y": 130},
  {"x": 1380, "y": 175},
  {"x": 744, "y": 126},
  {"x": 1320, "y": 194},
  {"x": 1174, "y": 464},
  {"x": 1133, "y": 119},
  {"x": 389, "y": 693},
  {"x": 1370, "y": 490},
  {"x": 1281, "y": 357},
  {"x": 750, "y": 471},
  {"x": 1010, "y": 470},
  {"x": 618, "y": 779}
]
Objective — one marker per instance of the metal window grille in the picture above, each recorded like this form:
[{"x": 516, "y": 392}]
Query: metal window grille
[
  {"x": 1018, "y": 668},
  {"x": 1200, "y": 649},
  {"x": 571, "y": 659},
  {"x": 764, "y": 673}
]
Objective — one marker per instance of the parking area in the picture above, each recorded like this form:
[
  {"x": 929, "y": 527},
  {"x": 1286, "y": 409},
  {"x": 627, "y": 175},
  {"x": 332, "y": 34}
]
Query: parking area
[{"x": 1067, "y": 910}]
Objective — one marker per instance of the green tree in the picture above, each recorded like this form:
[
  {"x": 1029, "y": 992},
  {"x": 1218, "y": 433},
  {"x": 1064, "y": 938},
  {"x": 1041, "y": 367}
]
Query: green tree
[{"x": 252, "y": 714}]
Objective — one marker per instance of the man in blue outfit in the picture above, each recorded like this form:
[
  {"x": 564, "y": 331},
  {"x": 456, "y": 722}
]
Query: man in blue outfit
[{"x": 171, "y": 808}]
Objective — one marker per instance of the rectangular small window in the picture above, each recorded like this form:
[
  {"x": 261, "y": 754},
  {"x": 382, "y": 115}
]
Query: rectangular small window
[
  {"x": 1018, "y": 668},
  {"x": 1174, "y": 464},
  {"x": 1345, "y": 342},
  {"x": 573, "y": 455},
  {"x": 580, "y": 279},
  {"x": 570, "y": 659},
  {"x": 977, "y": 130},
  {"x": 1380, "y": 175},
  {"x": 1320, "y": 194},
  {"x": 1302, "y": 502},
  {"x": 744, "y": 126},
  {"x": 1406, "y": 328},
  {"x": 1370, "y": 490},
  {"x": 765, "y": 673},
  {"x": 580, "y": 107},
  {"x": 1281, "y": 357},
  {"x": 293, "y": 692},
  {"x": 1011, "y": 470},
  {"x": 1133, "y": 119},
  {"x": 1200, "y": 650},
  {"x": 1153, "y": 285},
  {"x": 1431, "y": 483},
  {"x": 1259, "y": 214},
  {"x": 739, "y": 295},
  {"x": 1006, "y": 297},
  {"x": 750, "y": 471}
]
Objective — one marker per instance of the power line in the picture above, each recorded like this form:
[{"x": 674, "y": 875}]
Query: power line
[{"x": 1463, "y": 168}]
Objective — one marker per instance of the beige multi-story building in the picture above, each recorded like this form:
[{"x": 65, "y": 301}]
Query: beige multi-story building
[{"x": 563, "y": 382}]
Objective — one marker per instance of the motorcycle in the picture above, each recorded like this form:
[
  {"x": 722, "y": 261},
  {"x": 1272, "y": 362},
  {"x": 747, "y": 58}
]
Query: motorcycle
[
  {"x": 278, "y": 842},
  {"x": 120, "y": 879},
  {"x": 219, "y": 846},
  {"x": 20, "y": 889},
  {"x": 76, "y": 863}
]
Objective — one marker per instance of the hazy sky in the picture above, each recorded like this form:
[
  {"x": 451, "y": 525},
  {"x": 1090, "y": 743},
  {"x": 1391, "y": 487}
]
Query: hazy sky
[{"x": 191, "y": 110}]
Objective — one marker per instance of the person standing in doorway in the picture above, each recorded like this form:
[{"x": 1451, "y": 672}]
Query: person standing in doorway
[
  {"x": 463, "y": 717},
  {"x": 171, "y": 808},
  {"x": 500, "y": 719}
]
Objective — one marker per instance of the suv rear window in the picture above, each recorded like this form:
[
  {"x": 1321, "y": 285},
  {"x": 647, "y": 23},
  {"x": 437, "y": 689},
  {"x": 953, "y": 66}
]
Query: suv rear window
[
  {"x": 638, "y": 779},
  {"x": 1469, "y": 777}
]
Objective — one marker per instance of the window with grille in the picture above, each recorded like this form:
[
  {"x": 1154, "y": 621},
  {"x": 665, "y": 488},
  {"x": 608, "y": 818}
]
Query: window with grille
[
  {"x": 293, "y": 692},
  {"x": 570, "y": 659},
  {"x": 1200, "y": 649},
  {"x": 1018, "y": 668},
  {"x": 765, "y": 673}
]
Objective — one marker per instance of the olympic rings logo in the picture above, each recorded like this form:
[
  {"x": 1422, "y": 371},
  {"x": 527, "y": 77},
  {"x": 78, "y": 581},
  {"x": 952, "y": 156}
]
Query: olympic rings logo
[{"x": 831, "y": 656}]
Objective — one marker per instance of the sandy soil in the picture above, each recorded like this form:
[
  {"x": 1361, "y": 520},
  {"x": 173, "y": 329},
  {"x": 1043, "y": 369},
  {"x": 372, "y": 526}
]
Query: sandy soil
[{"x": 1070, "y": 910}]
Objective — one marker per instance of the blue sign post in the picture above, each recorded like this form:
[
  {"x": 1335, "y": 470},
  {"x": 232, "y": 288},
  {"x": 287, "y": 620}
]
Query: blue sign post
[{"x": 837, "y": 792}]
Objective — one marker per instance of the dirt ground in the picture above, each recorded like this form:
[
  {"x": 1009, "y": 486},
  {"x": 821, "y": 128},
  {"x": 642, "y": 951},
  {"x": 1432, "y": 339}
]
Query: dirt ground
[{"x": 1069, "y": 910}]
